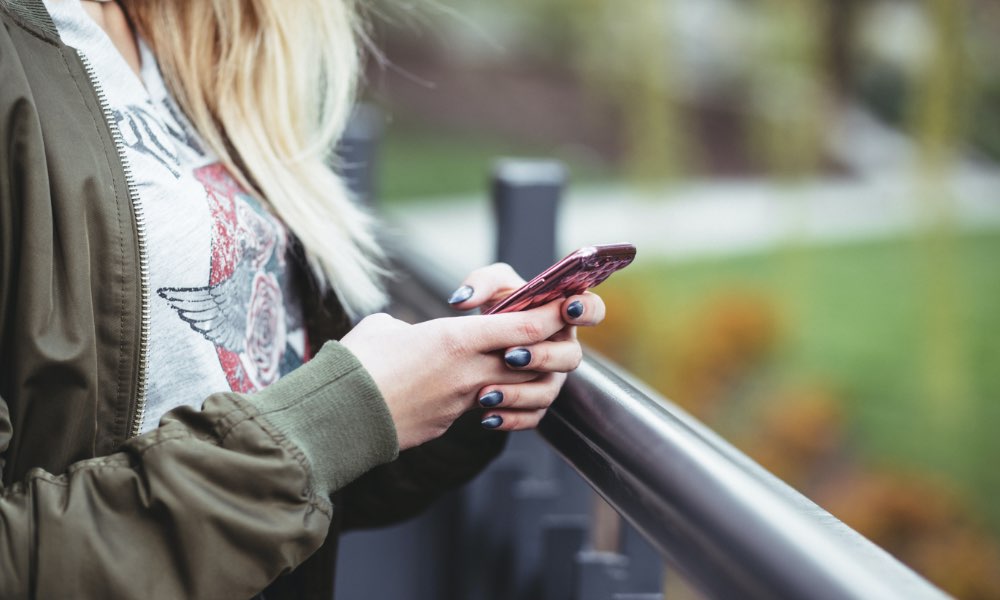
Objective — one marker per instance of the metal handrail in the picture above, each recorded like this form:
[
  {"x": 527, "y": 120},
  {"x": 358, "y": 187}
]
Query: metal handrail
[{"x": 730, "y": 527}]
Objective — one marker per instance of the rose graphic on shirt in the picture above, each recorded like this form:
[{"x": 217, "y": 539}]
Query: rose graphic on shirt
[
  {"x": 265, "y": 334},
  {"x": 242, "y": 309}
]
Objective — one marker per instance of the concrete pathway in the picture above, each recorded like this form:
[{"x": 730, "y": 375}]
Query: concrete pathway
[
  {"x": 694, "y": 219},
  {"x": 710, "y": 218}
]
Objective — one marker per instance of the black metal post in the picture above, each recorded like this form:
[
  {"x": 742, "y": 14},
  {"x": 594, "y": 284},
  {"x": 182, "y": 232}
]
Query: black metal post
[{"x": 526, "y": 197}]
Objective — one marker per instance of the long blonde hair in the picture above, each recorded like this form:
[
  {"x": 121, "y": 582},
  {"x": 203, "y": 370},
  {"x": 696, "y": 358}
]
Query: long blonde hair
[{"x": 269, "y": 86}]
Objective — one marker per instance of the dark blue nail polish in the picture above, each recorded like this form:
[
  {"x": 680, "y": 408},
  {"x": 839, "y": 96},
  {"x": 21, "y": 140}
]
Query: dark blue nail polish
[
  {"x": 461, "y": 295},
  {"x": 491, "y": 399},
  {"x": 575, "y": 309},
  {"x": 518, "y": 357},
  {"x": 492, "y": 422}
]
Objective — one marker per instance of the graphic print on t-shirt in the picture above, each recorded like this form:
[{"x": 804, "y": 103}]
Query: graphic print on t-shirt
[
  {"x": 143, "y": 131},
  {"x": 242, "y": 309}
]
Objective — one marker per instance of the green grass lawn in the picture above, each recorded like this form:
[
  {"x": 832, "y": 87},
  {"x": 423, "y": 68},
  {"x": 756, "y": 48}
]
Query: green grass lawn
[{"x": 913, "y": 354}]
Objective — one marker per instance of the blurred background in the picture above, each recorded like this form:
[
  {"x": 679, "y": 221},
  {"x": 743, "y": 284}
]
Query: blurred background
[{"x": 813, "y": 187}]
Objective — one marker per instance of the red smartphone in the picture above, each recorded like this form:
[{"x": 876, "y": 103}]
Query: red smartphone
[{"x": 575, "y": 274}]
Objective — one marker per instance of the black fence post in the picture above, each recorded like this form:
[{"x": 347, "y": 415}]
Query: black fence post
[{"x": 526, "y": 196}]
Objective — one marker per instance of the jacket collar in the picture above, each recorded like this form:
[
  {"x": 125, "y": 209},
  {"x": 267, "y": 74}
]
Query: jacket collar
[{"x": 33, "y": 15}]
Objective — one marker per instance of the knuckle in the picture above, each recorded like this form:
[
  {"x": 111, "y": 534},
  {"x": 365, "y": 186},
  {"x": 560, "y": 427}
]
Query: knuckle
[
  {"x": 552, "y": 388},
  {"x": 389, "y": 321},
  {"x": 453, "y": 343},
  {"x": 531, "y": 329},
  {"x": 438, "y": 430},
  {"x": 374, "y": 318},
  {"x": 541, "y": 357},
  {"x": 511, "y": 421},
  {"x": 477, "y": 274},
  {"x": 512, "y": 396},
  {"x": 510, "y": 272},
  {"x": 519, "y": 397},
  {"x": 468, "y": 385},
  {"x": 501, "y": 266},
  {"x": 452, "y": 415},
  {"x": 504, "y": 274}
]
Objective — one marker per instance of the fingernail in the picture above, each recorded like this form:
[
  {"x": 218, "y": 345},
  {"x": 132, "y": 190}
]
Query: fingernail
[
  {"x": 575, "y": 309},
  {"x": 492, "y": 422},
  {"x": 461, "y": 295},
  {"x": 518, "y": 357},
  {"x": 491, "y": 399}
]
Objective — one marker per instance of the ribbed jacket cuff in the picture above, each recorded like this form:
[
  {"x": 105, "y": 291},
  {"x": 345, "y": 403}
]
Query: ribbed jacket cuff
[{"x": 332, "y": 410}]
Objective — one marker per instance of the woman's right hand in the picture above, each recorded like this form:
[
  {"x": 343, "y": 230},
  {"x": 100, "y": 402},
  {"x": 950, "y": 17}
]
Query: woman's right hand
[{"x": 431, "y": 373}]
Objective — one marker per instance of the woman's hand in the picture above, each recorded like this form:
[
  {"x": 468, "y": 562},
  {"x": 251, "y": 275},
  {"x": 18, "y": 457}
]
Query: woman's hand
[
  {"x": 430, "y": 373},
  {"x": 522, "y": 405},
  {"x": 513, "y": 364}
]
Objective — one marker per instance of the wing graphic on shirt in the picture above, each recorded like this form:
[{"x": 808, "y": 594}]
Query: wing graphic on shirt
[
  {"x": 148, "y": 134},
  {"x": 218, "y": 312}
]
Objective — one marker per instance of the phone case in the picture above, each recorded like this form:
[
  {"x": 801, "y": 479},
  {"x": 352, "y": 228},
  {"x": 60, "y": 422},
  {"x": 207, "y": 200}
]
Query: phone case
[{"x": 575, "y": 274}]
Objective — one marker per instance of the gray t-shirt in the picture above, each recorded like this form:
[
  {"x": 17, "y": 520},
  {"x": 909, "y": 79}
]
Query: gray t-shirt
[{"x": 224, "y": 311}]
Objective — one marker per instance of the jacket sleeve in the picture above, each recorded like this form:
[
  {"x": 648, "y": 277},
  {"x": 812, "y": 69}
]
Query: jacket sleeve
[{"x": 214, "y": 503}]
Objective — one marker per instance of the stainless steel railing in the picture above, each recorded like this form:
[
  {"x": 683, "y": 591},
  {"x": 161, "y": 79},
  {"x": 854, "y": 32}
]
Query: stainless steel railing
[{"x": 733, "y": 529}]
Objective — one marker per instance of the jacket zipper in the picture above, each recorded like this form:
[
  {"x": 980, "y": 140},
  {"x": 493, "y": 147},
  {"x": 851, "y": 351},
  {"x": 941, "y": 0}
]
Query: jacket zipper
[{"x": 140, "y": 228}]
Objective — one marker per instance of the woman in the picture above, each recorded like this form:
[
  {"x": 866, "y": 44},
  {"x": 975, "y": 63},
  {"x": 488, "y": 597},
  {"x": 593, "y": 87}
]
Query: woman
[{"x": 173, "y": 255}]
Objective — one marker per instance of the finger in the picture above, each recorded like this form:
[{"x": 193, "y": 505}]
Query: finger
[
  {"x": 512, "y": 420},
  {"x": 486, "y": 285},
  {"x": 534, "y": 395},
  {"x": 586, "y": 309},
  {"x": 496, "y": 372},
  {"x": 488, "y": 333},
  {"x": 566, "y": 334},
  {"x": 559, "y": 357}
]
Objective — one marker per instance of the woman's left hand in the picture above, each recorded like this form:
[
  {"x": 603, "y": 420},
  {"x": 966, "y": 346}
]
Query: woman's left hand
[{"x": 511, "y": 407}]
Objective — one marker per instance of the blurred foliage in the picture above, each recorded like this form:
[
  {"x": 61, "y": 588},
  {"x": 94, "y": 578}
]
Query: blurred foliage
[
  {"x": 782, "y": 69},
  {"x": 789, "y": 97},
  {"x": 911, "y": 56},
  {"x": 943, "y": 91}
]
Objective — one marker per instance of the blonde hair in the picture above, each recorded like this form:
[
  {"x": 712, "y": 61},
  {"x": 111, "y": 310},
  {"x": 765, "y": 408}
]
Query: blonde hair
[{"x": 269, "y": 86}]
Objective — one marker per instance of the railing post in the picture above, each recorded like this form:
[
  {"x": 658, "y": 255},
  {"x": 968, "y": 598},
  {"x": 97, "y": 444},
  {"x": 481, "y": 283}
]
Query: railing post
[
  {"x": 549, "y": 504},
  {"x": 526, "y": 196}
]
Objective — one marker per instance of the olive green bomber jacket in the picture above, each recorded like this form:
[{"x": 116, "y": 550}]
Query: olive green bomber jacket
[{"x": 214, "y": 503}]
